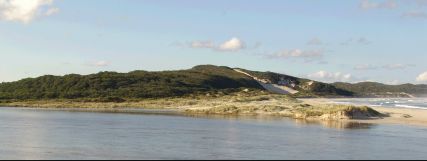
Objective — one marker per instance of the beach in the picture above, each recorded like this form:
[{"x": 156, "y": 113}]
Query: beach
[
  {"x": 402, "y": 116},
  {"x": 394, "y": 115},
  {"x": 249, "y": 104}
]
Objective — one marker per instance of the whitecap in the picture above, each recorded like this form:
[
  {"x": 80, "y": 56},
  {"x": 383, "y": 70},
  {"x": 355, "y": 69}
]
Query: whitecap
[{"x": 409, "y": 106}]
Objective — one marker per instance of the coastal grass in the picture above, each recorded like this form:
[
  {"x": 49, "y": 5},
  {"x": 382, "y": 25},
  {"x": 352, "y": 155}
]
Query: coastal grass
[
  {"x": 332, "y": 109},
  {"x": 239, "y": 103}
]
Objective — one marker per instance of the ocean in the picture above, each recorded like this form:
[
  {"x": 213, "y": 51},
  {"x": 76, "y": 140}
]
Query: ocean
[
  {"x": 413, "y": 103},
  {"x": 55, "y": 134}
]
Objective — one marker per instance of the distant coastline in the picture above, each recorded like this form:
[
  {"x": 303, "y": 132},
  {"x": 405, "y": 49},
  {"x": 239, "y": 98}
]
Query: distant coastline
[
  {"x": 198, "y": 80},
  {"x": 206, "y": 89},
  {"x": 245, "y": 103}
]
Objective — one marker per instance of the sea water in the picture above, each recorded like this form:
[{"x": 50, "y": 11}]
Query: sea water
[
  {"x": 50, "y": 134},
  {"x": 414, "y": 103}
]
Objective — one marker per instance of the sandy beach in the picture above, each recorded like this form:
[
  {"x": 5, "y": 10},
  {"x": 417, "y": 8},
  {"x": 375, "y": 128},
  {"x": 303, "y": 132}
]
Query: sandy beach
[
  {"x": 404, "y": 116},
  {"x": 278, "y": 105}
]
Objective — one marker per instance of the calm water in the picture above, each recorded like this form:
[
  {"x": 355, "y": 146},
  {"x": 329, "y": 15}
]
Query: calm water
[
  {"x": 415, "y": 103},
  {"x": 44, "y": 134}
]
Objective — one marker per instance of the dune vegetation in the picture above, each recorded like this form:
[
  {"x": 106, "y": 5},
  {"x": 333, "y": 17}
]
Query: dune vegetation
[
  {"x": 205, "y": 89},
  {"x": 246, "y": 102}
]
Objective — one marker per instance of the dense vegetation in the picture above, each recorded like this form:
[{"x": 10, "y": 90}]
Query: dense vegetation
[
  {"x": 372, "y": 88},
  {"x": 116, "y": 87},
  {"x": 137, "y": 84}
]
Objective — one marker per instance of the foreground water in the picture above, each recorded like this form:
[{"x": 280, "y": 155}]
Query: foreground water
[
  {"x": 415, "y": 103},
  {"x": 46, "y": 134}
]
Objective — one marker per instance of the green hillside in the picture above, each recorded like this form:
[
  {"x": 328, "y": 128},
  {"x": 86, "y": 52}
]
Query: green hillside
[
  {"x": 136, "y": 84},
  {"x": 198, "y": 80},
  {"x": 373, "y": 89}
]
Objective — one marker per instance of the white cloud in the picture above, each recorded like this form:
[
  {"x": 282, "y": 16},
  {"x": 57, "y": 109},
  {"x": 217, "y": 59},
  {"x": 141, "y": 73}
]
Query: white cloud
[
  {"x": 421, "y": 2},
  {"x": 363, "y": 41},
  {"x": 388, "y": 66},
  {"x": 179, "y": 44},
  {"x": 234, "y": 44},
  {"x": 422, "y": 77},
  {"x": 202, "y": 44},
  {"x": 368, "y": 4},
  {"x": 358, "y": 41},
  {"x": 365, "y": 67},
  {"x": 329, "y": 77},
  {"x": 101, "y": 63},
  {"x": 25, "y": 10},
  {"x": 298, "y": 53},
  {"x": 315, "y": 41},
  {"x": 417, "y": 3},
  {"x": 52, "y": 11},
  {"x": 415, "y": 14},
  {"x": 323, "y": 62},
  {"x": 257, "y": 45},
  {"x": 397, "y": 66},
  {"x": 415, "y": 8},
  {"x": 393, "y": 82},
  {"x": 347, "y": 42}
]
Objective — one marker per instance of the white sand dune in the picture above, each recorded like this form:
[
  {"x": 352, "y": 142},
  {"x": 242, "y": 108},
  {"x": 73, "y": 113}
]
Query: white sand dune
[{"x": 275, "y": 88}]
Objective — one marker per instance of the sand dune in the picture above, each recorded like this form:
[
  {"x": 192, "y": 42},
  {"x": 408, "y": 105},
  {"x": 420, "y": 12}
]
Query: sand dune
[{"x": 275, "y": 88}]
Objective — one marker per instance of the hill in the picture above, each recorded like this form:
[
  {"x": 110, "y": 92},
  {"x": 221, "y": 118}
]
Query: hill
[
  {"x": 136, "y": 84},
  {"x": 306, "y": 87},
  {"x": 113, "y": 86},
  {"x": 373, "y": 89}
]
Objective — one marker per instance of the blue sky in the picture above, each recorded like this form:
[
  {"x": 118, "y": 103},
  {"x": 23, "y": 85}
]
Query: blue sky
[{"x": 327, "y": 40}]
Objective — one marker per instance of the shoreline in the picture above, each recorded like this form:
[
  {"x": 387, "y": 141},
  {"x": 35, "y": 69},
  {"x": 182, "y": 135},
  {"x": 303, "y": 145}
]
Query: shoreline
[
  {"x": 394, "y": 119},
  {"x": 402, "y": 116},
  {"x": 334, "y": 124},
  {"x": 396, "y": 115},
  {"x": 322, "y": 109}
]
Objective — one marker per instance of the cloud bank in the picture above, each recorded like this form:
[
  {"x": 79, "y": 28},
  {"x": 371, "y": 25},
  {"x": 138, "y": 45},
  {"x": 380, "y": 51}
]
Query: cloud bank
[{"x": 331, "y": 77}]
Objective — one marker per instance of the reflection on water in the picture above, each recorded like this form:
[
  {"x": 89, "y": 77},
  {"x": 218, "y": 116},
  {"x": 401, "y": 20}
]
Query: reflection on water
[
  {"x": 111, "y": 110},
  {"x": 258, "y": 118},
  {"x": 336, "y": 124},
  {"x": 135, "y": 134}
]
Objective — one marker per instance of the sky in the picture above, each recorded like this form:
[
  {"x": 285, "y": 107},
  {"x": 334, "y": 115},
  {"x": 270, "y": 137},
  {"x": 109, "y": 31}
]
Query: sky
[{"x": 325, "y": 40}]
